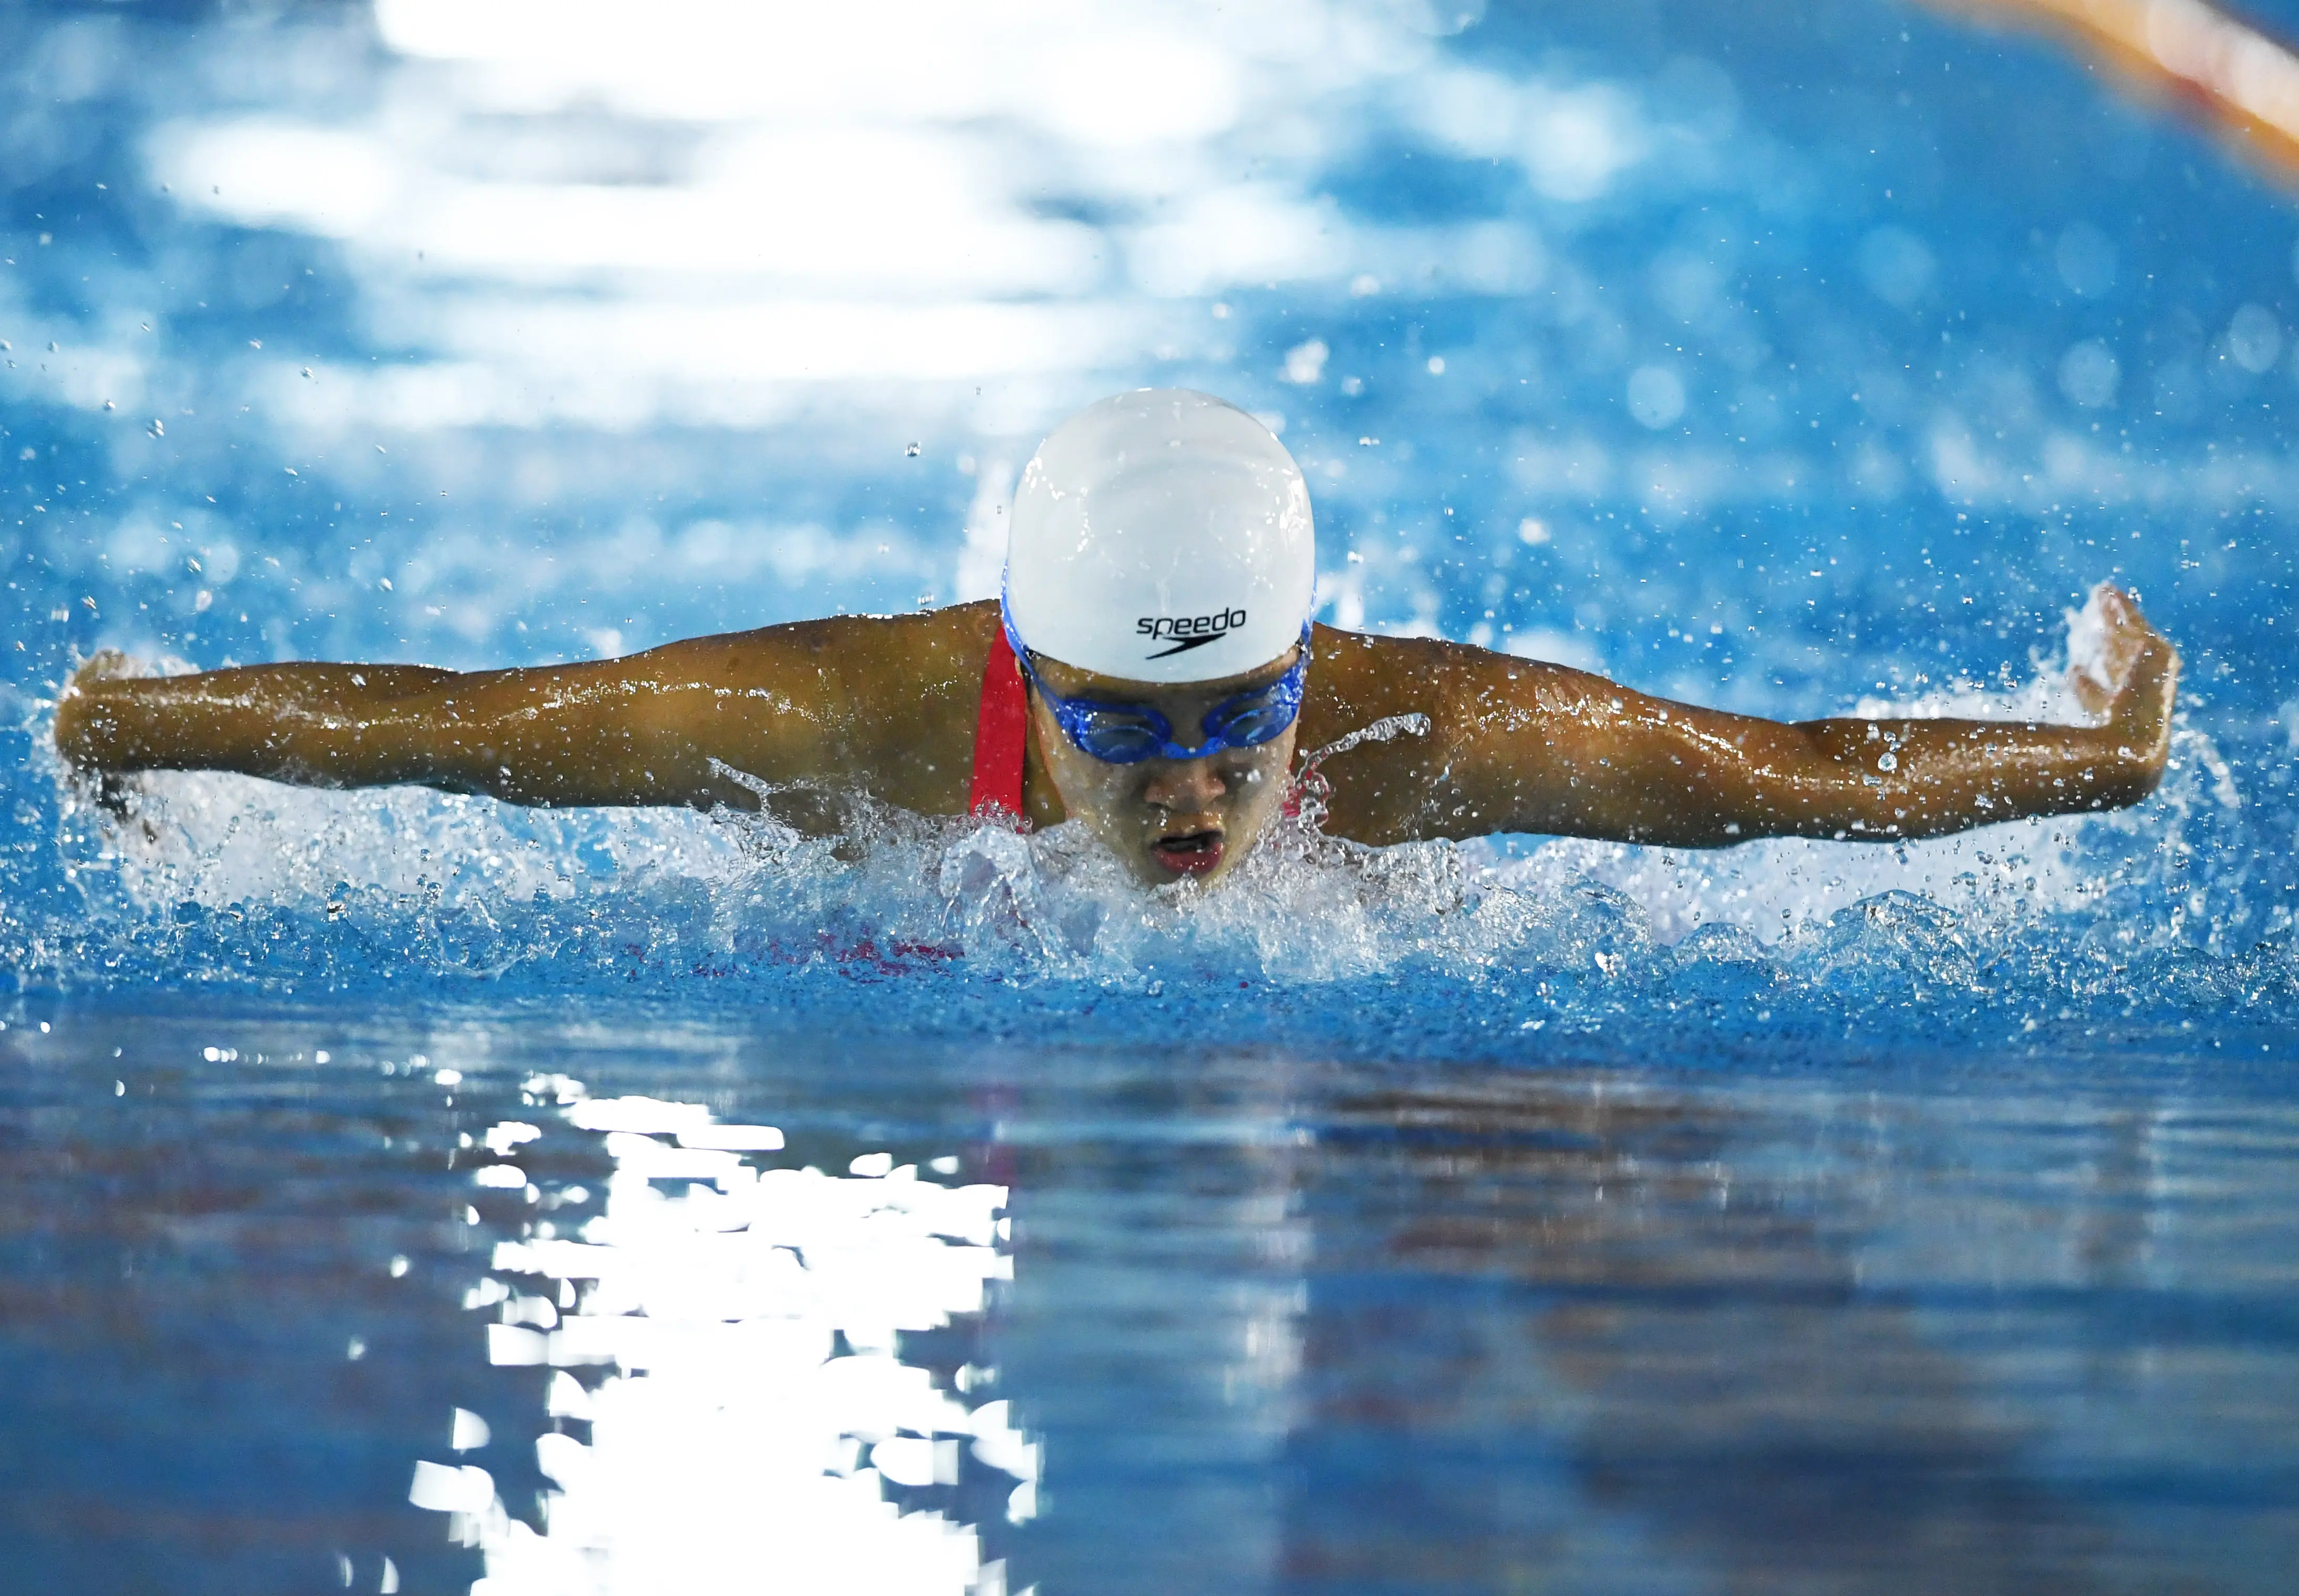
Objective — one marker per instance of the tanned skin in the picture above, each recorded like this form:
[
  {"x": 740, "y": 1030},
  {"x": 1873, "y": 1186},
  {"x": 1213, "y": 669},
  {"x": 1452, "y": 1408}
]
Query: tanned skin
[{"x": 886, "y": 707}]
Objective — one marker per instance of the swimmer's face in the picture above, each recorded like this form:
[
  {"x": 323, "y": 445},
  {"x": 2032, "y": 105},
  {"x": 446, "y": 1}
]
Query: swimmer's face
[{"x": 1168, "y": 818}]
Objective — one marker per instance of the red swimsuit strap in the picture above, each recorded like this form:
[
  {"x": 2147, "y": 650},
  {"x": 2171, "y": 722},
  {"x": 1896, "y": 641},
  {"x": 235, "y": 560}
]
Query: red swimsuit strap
[
  {"x": 999, "y": 736},
  {"x": 1311, "y": 784}
]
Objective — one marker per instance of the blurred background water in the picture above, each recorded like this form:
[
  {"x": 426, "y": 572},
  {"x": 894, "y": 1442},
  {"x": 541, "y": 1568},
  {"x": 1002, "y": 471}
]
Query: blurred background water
[{"x": 1532, "y": 1214}]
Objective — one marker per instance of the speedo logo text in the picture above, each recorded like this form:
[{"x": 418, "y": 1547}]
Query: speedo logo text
[{"x": 1186, "y": 632}]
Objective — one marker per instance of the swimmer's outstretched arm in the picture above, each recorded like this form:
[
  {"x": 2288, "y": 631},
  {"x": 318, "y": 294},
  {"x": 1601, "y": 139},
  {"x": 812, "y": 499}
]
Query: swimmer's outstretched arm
[
  {"x": 1518, "y": 746},
  {"x": 849, "y": 702}
]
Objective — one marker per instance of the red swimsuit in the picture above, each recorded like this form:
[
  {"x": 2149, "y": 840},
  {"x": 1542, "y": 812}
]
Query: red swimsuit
[{"x": 999, "y": 737}]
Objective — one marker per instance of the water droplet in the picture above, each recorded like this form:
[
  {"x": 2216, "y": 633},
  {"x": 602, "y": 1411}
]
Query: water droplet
[{"x": 1887, "y": 761}]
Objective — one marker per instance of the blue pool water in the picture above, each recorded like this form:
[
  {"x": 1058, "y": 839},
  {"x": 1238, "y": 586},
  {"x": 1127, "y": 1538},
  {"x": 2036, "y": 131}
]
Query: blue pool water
[{"x": 1529, "y": 1214}]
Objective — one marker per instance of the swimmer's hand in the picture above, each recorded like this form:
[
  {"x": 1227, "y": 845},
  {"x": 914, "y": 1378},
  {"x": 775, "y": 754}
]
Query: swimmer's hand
[
  {"x": 104, "y": 665},
  {"x": 80, "y": 704},
  {"x": 77, "y": 707},
  {"x": 2133, "y": 684}
]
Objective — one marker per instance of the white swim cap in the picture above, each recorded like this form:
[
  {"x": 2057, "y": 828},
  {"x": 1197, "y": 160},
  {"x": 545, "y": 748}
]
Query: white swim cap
[{"x": 1161, "y": 535}]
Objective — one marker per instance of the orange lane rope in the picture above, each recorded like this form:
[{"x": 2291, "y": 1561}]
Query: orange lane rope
[{"x": 2223, "y": 68}]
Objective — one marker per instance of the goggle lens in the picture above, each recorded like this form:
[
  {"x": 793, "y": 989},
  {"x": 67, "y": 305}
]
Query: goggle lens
[
  {"x": 1117, "y": 740},
  {"x": 1251, "y": 723}
]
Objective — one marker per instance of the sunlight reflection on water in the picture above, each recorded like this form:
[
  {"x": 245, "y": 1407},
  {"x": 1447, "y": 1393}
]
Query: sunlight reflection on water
[{"x": 752, "y": 1413}]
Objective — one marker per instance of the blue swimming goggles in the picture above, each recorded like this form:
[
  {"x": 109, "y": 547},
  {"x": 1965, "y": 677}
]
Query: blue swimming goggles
[{"x": 1126, "y": 734}]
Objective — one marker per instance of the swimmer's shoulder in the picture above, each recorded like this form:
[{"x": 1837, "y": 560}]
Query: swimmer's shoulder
[
  {"x": 1357, "y": 676},
  {"x": 928, "y": 662},
  {"x": 886, "y": 705},
  {"x": 1455, "y": 711}
]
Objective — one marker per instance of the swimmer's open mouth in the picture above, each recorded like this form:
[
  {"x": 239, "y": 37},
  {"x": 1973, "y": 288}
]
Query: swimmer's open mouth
[{"x": 1191, "y": 853}]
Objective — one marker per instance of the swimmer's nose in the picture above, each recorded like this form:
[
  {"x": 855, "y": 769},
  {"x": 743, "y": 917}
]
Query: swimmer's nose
[{"x": 1184, "y": 786}]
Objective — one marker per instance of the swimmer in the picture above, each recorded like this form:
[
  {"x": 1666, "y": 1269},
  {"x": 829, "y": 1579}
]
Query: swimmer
[{"x": 1151, "y": 673}]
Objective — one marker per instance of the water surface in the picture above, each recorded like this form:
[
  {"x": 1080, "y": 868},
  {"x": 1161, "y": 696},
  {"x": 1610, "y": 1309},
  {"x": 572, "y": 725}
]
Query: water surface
[{"x": 1841, "y": 1319}]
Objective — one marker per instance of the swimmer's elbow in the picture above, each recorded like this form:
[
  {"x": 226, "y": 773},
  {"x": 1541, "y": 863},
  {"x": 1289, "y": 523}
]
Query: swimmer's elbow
[
  {"x": 2116, "y": 772},
  {"x": 2129, "y": 777}
]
